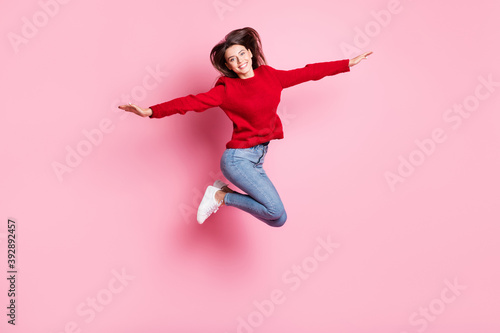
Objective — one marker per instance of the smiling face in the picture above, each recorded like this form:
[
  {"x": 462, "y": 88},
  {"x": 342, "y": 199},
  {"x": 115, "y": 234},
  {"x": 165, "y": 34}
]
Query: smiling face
[{"x": 239, "y": 60}]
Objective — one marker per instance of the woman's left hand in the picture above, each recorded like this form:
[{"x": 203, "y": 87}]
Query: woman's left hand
[
  {"x": 356, "y": 60},
  {"x": 136, "y": 109}
]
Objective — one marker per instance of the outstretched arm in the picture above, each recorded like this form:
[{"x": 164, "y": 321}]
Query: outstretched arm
[
  {"x": 316, "y": 71},
  {"x": 356, "y": 60},
  {"x": 311, "y": 72},
  {"x": 181, "y": 105}
]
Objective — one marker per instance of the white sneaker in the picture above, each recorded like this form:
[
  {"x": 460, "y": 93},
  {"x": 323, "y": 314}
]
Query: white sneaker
[
  {"x": 219, "y": 184},
  {"x": 208, "y": 204}
]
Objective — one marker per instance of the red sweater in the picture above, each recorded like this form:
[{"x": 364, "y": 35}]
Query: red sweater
[{"x": 251, "y": 103}]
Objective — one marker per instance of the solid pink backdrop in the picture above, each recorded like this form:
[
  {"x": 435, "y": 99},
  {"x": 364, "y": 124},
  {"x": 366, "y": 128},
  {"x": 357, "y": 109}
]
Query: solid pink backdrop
[{"x": 394, "y": 165}]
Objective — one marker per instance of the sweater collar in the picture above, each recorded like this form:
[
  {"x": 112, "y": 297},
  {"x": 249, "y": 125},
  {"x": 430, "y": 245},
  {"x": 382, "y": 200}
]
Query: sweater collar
[{"x": 250, "y": 80}]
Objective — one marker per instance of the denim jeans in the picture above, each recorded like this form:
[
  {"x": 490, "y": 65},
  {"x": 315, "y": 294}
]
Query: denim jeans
[{"x": 243, "y": 168}]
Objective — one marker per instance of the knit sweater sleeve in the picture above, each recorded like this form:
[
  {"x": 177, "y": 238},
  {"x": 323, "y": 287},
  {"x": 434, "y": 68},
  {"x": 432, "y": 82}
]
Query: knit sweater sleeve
[
  {"x": 198, "y": 103},
  {"x": 310, "y": 72}
]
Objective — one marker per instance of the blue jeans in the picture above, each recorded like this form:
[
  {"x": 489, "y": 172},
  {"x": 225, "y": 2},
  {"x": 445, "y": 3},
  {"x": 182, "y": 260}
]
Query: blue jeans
[{"x": 243, "y": 168}]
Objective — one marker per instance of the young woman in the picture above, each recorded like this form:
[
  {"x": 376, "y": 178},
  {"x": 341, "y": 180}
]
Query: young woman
[{"x": 248, "y": 92}]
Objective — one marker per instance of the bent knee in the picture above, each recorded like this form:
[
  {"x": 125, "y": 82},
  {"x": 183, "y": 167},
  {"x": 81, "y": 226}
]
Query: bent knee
[
  {"x": 276, "y": 210},
  {"x": 280, "y": 221}
]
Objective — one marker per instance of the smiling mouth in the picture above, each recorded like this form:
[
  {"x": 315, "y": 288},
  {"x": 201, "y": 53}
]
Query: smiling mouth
[{"x": 243, "y": 66}]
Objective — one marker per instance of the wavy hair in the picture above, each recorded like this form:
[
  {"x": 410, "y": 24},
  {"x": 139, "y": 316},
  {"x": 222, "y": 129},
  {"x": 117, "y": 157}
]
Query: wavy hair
[{"x": 246, "y": 37}]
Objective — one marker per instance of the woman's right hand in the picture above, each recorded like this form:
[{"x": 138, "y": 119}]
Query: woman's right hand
[{"x": 137, "y": 110}]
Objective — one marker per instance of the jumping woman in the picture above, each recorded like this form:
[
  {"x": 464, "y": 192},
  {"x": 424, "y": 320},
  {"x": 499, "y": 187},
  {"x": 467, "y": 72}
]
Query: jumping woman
[{"x": 249, "y": 92}]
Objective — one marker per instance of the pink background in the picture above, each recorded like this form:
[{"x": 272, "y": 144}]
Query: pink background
[{"x": 128, "y": 205}]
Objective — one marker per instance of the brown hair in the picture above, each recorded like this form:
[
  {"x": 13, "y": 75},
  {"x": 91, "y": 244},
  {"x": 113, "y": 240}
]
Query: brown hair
[{"x": 246, "y": 37}]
